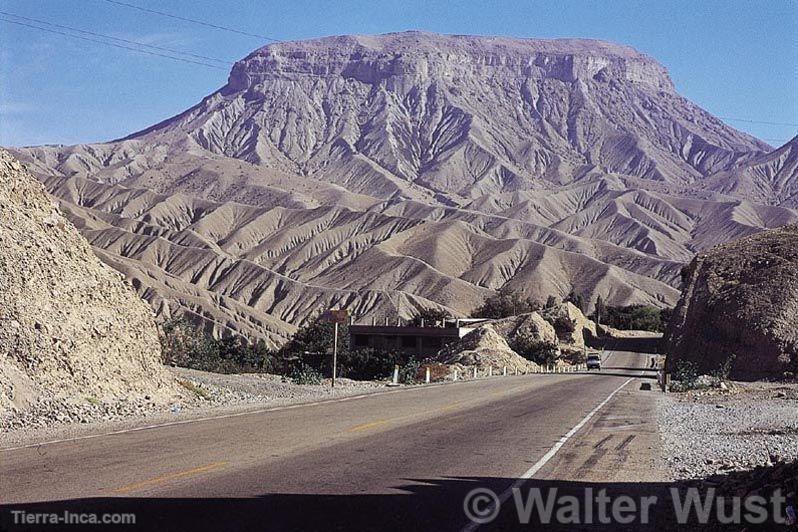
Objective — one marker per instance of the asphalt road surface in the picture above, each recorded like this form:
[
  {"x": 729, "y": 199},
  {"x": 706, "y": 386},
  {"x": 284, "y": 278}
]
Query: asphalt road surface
[{"x": 402, "y": 459}]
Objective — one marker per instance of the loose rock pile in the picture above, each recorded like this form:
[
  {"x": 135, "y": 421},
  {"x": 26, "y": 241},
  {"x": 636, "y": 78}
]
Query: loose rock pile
[
  {"x": 712, "y": 432},
  {"x": 484, "y": 348},
  {"x": 71, "y": 331}
]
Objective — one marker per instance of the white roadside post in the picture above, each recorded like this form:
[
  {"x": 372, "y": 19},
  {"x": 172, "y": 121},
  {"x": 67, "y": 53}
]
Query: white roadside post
[
  {"x": 490, "y": 371},
  {"x": 426, "y": 376},
  {"x": 504, "y": 371},
  {"x": 455, "y": 376},
  {"x": 475, "y": 372},
  {"x": 396, "y": 374}
]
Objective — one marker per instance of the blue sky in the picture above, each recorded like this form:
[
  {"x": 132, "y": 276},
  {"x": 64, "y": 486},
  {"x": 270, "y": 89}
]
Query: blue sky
[{"x": 737, "y": 59}]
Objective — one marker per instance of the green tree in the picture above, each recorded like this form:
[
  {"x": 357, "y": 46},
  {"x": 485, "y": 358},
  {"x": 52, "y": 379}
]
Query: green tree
[
  {"x": 534, "y": 349},
  {"x": 577, "y": 300},
  {"x": 183, "y": 344},
  {"x": 430, "y": 317},
  {"x": 637, "y": 317},
  {"x": 315, "y": 337},
  {"x": 505, "y": 303},
  {"x": 601, "y": 309}
]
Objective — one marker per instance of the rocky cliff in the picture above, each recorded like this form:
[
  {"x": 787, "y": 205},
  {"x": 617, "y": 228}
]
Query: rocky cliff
[
  {"x": 70, "y": 328},
  {"x": 739, "y": 307},
  {"x": 458, "y": 116}
]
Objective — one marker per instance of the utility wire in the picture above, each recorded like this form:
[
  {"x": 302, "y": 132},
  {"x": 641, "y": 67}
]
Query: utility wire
[
  {"x": 139, "y": 50},
  {"x": 193, "y": 21},
  {"x": 757, "y": 121},
  {"x": 118, "y": 39}
]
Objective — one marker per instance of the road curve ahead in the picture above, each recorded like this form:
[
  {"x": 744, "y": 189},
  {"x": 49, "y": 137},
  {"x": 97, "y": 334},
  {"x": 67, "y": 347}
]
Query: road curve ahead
[{"x": 404, "y": 459}]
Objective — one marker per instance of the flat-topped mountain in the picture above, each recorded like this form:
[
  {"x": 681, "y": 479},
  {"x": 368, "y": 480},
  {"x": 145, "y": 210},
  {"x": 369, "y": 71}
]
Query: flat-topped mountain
[{"x": 387, "y": 173}]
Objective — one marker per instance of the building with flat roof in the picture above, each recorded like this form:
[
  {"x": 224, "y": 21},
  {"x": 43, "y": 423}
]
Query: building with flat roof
[{"x": 411, "y": 339}]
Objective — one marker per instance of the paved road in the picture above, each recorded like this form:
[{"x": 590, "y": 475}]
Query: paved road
[{"x": 400, "y": 459}]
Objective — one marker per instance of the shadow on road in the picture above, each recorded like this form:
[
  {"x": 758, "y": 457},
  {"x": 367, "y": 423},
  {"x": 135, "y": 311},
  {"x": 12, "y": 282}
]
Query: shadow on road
[
  {"x": 418, "y": 505},
  {"x": 616, "y": 373},
  {"x": 627, "y": 368}
]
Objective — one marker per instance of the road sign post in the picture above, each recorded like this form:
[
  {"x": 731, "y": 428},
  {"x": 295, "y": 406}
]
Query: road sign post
[
  {"x": 336, "y": 317},
  {"x": 335, "y": 354}
]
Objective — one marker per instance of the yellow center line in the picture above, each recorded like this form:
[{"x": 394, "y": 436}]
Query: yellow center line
[
  {"x": 366, "y": 426},
  {"x": 449, "y": 407},
  {"x": 166, "y": 478},
  {"x": 445, "y": 408}
]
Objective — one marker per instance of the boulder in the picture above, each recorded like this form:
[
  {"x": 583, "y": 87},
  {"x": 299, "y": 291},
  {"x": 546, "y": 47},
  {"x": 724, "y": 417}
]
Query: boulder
[{"x": 739, "y": 308}]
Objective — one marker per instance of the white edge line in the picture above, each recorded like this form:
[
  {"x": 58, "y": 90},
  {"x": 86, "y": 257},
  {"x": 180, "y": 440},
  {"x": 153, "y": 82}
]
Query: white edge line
[{"x": 529, "y": 473}]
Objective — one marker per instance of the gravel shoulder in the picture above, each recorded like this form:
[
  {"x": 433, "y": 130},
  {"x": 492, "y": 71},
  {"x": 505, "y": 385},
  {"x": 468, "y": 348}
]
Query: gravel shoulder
[
  {"x": 705, "y": 433},
  {"x": 206, "y": 395}
]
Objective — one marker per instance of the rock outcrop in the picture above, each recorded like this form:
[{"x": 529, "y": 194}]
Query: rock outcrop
[
  {"x": 484, "y": 348},
  {"x": 70, "y": 328},
  {"x": 739, "y": 308},
  {"x": 570, "y": 324},
  {"x": 531, "y": 325}
]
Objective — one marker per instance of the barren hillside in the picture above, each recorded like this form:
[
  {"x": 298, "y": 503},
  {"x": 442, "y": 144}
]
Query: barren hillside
[{"x": 386, "y": 173}]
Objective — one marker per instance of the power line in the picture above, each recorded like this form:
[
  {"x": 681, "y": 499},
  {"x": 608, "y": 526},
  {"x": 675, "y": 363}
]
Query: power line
[
  {"x": 758, "y": 121},
  {"x": 193, "y": 21},
  {"x": 139, "y": 50},
  {"x": 118, "y": 39}
]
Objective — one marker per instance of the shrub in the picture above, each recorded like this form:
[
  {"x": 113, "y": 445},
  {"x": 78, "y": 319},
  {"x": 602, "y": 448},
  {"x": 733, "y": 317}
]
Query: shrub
[
  {"x": 198, "y": 390},
  {"x": 184, "y": 345},
  {"x": 578, "y": 300},
  {"x": 538, "y": 351},
  {"x": 504, "y": 304},
  {"x": 409, "y": 371},
  {"x": 437, "y": 372},
  {"x": 563, "y": 325},
  {"x": 367, "y": 364},
  {"x": 685, "y": 373},
  {"x": 724, "y": 370},
  {"x": 305, "y": 374}
]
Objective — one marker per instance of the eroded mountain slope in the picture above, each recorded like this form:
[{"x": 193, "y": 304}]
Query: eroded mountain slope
[{"x": 385, "y": 173}]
